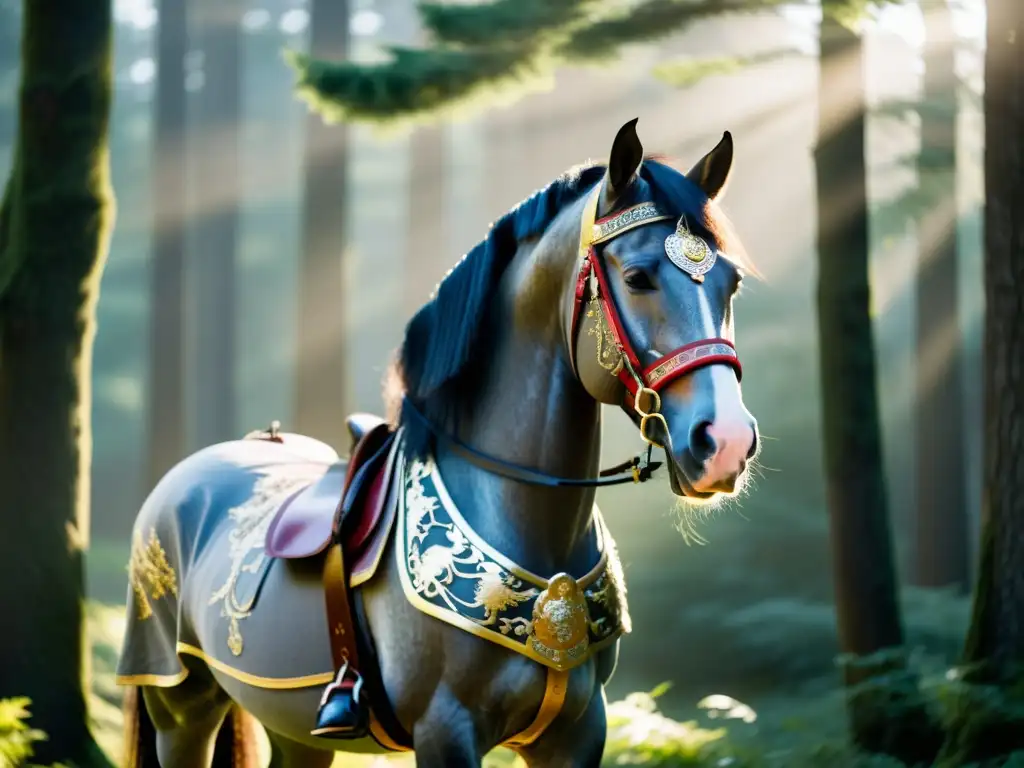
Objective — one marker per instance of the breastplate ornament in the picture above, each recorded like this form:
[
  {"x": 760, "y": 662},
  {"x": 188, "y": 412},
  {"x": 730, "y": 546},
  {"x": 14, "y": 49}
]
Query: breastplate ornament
[{"x": 449, "y": 572}]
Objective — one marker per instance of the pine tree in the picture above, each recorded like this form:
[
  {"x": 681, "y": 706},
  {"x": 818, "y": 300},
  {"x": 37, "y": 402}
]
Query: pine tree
[
  {"x": 484, "y": 52},
  {"x": 940, "y": 522},
  {"x": 217, "y": 190},
  {"x": 989, "y": 721},
  {"x": 886, "y": 710},
  {"x": 321, "y": 387},
  {"x": 166, "y": 402},
  {"x": 55, "y": 225}
]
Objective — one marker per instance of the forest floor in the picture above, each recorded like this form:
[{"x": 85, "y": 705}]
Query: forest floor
[{"x": 804, "y": 729}]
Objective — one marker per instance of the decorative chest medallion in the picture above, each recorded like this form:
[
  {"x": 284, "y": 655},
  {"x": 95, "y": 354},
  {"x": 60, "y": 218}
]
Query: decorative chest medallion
[
  {"x": 689, "y": 252},
  {"x": 561, "y": 623}
]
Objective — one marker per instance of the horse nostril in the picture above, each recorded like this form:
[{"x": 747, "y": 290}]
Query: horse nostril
[
  {"x": 702, "y": 444},
  {"x": 753, "y": 445}
]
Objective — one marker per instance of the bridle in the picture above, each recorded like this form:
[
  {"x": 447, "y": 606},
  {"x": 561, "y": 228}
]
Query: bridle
[
  {"x": 592, "y": 287},
  {"x": 642, "y": 383}
]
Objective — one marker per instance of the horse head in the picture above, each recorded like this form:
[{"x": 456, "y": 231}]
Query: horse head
[{"x": 648, "y": 315}]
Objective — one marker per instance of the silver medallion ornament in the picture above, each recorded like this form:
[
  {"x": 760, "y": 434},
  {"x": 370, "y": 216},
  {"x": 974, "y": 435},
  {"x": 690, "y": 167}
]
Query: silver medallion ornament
[{"x": 689, "y": 252}]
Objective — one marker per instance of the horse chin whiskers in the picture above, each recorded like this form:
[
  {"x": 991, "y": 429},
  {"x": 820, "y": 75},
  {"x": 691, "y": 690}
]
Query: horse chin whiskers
[{"x": 693, "y": 508}]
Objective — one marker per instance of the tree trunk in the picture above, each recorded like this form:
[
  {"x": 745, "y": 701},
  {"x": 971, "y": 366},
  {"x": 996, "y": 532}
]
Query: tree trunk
[
  {"x": 870, "y": 632},
  {"x": 54, "y": 233},
  {"x": 425, "y": 241},
  {"x": 166, "y": 406},
  {"x": 989, "y": 722},
  {"x": 322, "y": 388},
  {"x": 9, "y": 29},
  {"x": 217, "y": 193},
  {"x": 941, "y": 535}
]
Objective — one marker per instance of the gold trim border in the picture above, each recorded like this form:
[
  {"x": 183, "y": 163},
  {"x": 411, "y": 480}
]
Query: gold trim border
[
  {"x": 479, "y": 543},
  {"x": 460, "y": 621},
  {"x": 256, "y": 681}
]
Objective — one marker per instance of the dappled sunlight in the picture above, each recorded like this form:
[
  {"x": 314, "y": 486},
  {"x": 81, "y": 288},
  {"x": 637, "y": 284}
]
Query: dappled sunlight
[
  {"x": 720, "y": 706},
  {"x": 933, "y": 362},
  {"x": 122, "y": 391},
  {"x": 638, "y": 732}
]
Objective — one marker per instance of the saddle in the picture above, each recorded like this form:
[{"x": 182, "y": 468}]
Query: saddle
[
  {"x": 348, "y": 513},
  {"x": 348, "y": 505}
]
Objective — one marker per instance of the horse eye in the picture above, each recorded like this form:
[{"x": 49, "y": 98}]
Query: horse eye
[{"x": 638, "y": 280}]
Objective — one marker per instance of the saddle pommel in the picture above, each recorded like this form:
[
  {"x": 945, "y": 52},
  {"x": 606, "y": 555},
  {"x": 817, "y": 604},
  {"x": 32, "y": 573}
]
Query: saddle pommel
[{"x": 359, "y": 425}]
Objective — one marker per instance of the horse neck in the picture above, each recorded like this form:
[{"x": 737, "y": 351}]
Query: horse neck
[{"x": 530, "y": 409}]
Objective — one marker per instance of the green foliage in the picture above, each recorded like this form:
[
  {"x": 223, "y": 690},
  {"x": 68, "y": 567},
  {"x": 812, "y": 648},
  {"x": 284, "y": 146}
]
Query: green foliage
[
  {"x": 502, "y": 22},
  {"x": 16, "y": 737},
  {"x": 640, "y": 735},
  {"x": 687, "y": 72},
  {"x": 482, "y": 52},
  {"x": 414, "y": 83}
]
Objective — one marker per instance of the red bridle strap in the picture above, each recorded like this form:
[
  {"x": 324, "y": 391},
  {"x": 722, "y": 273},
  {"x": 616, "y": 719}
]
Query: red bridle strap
[{"x": 630, "y": 372}]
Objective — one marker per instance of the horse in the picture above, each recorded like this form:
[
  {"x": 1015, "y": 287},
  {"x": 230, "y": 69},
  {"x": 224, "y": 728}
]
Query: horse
[{"x": 489, "y": 609}]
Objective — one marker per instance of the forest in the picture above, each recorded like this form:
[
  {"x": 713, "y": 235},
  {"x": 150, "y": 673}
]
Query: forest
[{"x": 219, "y": 214}]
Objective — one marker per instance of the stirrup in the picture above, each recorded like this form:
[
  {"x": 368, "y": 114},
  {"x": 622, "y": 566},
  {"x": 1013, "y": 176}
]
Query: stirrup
[{"x": 342, "y": 713}]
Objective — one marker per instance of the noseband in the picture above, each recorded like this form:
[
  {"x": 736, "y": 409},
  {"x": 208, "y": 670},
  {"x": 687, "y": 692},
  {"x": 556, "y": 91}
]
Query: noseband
[
  {"x": 689, "y": 253},
  {"x": 644, "y": 384}
]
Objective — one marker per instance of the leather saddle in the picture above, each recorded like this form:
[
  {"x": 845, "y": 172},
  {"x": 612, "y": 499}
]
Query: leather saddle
[{"x": 350, "y": 504}]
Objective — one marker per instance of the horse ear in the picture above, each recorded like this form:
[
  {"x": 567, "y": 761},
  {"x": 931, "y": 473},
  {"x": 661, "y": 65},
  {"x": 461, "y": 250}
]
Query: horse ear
[
  {"x": 711, "y": 173},
  {"x": 624, "y": 163}
]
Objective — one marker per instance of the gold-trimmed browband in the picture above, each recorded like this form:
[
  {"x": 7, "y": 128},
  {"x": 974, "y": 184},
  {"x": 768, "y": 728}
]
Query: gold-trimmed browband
[{"x": 635, "y": 216}]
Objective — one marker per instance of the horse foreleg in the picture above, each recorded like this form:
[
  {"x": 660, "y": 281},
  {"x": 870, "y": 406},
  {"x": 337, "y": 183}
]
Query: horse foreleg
[
  {"x": 445, "y": 736},
  {"x": 569, "y": 743}
]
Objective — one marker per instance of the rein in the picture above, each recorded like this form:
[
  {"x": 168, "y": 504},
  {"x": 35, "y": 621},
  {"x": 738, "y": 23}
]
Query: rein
[{"x": 642, "y": 383}]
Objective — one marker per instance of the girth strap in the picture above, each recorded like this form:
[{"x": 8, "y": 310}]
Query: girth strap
[{"x": 555, "y": 688}]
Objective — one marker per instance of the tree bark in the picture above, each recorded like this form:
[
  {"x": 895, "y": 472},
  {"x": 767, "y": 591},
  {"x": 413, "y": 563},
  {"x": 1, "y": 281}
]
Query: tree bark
[
  {"x": 54, "y": 233},
  {"x": 322, "y": 388},
  {"x": 989, "y": 722},
  {"x": 425, "y": 240},
  {"x": 941, "y": 534},
  {"x": 217, "y": 192},
  {"x": 9, "y": 29},
  {"x": 867, "y": 611},
  {"x": 166, "y": 405}
]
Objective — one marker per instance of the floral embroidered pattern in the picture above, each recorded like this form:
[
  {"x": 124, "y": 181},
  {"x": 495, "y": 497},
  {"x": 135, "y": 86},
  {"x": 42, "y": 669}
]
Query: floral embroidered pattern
[
  {"x": 149, "y": 573},
  {"x": 436, "y": 565},
  {"x": 250, "y": 521},
  {"x": 451, "y": 574}
]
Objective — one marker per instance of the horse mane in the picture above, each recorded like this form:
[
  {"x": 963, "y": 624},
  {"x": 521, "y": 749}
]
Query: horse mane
[{"x": 431, "y": 366}]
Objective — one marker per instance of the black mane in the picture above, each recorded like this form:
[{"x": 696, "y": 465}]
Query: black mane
[{"x": 445, "y": 333}]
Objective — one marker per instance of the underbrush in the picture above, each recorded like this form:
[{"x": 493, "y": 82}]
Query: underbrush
[{"x": 802, "y": 729}]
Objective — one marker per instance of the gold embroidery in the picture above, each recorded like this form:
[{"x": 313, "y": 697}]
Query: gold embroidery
[
  {"x": 609, "y": 591},
  {"x": 450, "y": 573},
  {"x": 149, "y": 573},
  {"x": 246, "y": 543},
  {"x": 561, "y": 622},
  {"x": 435, "y": 569},
  {"x": 609, "y": 356}
]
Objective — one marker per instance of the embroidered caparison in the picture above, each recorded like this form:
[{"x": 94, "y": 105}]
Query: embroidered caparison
[{"x": 450, "y": 573}]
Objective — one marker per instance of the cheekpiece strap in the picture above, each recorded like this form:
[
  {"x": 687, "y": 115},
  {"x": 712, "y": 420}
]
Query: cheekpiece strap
[{"x": 594, "y": 231}]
